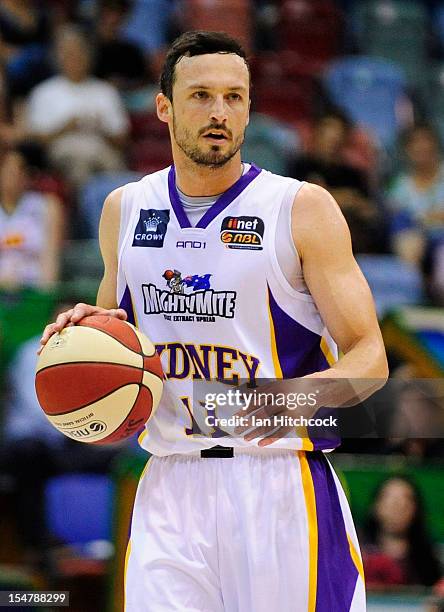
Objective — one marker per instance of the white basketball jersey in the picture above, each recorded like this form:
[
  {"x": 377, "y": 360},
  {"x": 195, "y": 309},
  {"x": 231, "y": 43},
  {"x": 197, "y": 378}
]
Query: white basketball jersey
[
  {"x": 22, "y": 239},
  {"x": 214, "y": 301}
]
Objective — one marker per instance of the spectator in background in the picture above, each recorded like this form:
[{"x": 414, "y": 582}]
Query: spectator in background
[
  {"x": 325, "y": 164},
  {"x": 417, "y": 427},
  {"x": 24, "y": 36},
  {"x": 30, "y": 227},
  {"x": 33, "y": 450},
  {"x": 397, "y": 549},
  {"x": 79, "y": 118},
  {"x": 416, "y": 196},
  {"x": 118, "y": 61},
  {"x": 12, "y": 116}
]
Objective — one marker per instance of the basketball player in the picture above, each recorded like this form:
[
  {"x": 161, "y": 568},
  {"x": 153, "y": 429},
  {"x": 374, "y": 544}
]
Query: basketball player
[{"x": 235, "y": 274}]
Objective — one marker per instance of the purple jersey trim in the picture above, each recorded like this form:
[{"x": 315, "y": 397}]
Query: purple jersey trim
[
  {"x": 337, "y": 573},
  {"x": 298, "y": 348},
  {"x": 299, "y": 353},
  {"x": 221, "y": 203},
  {"x": 127, "y": 304}
]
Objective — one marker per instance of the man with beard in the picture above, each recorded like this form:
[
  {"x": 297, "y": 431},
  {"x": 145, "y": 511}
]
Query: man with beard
[{"x": 254, "y": 518}]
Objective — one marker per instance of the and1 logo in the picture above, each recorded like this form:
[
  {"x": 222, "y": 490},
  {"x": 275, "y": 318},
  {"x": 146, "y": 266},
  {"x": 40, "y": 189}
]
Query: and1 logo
[
  {"x": 242, "y": 233},
  {"x": 151, "y": 228}
]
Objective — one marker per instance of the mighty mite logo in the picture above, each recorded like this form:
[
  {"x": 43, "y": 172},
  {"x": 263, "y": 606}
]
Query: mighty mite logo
[
  {"x": 242, "y": 233},
  {"x": 188, "y": 298}
]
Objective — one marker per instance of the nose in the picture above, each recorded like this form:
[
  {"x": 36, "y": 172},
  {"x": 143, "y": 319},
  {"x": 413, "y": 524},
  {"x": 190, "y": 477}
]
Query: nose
[{"x": 218, "y": 110}]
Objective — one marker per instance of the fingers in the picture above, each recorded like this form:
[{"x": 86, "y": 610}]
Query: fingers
[{"x": 76, "y": 314}]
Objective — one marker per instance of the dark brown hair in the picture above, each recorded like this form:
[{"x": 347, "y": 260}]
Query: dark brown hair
[{"x": 194, "y": 43}]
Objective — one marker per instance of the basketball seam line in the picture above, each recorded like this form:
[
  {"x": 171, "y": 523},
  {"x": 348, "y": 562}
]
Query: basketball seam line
[
  {"x": 56, "y": 365},
  {"x": 98, "y": 400},
  {"x": 131, "y": 409},
  {"x": 120, "y": 342}
]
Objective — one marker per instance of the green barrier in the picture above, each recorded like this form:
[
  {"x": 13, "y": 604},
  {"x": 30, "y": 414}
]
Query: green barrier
[
  {"x": 23, "y": 314},
  {"x": 362, "y": 475}
]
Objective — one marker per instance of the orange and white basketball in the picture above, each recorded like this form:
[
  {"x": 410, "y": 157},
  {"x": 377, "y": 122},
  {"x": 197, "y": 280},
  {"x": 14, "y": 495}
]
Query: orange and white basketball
[{"x": 99, "y": 381}]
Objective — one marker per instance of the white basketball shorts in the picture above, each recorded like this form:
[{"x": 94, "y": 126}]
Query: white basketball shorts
[{"x": 263, "y": 531}]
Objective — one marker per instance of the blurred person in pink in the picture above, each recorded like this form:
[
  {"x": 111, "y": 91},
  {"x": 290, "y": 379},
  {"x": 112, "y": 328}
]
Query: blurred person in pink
[
  {"x": 80, "y": 118},
  {"x": 397, "y": 549},
  {"x": 31, "y": 227}
]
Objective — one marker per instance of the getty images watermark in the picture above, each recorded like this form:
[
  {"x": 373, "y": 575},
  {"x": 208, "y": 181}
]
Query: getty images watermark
[{"x": 242, "y": 401}]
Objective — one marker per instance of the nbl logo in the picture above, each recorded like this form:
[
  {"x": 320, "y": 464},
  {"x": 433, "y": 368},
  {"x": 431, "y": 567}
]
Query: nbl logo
[{"x": 242, "y": 233}]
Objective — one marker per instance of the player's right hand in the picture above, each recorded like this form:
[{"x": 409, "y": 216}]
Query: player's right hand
[{"x": 74, "y": 315}]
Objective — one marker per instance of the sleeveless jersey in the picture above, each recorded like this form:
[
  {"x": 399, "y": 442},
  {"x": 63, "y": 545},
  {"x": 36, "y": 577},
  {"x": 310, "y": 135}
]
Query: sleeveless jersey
[
  {"x": 214, "y": 301},
  {"x": 22, "y": 239}
]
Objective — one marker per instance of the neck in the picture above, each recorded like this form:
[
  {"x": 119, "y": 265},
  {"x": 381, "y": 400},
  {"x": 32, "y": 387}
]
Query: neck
[
  {"x": 8, "y": 202},
  {"x": 195, "y": 180},
  {"x": 427, "y": 173}
]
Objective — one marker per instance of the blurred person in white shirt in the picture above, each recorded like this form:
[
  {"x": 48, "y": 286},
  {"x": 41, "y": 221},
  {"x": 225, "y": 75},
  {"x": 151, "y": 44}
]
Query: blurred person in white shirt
[{"x": 81, "y": 119}]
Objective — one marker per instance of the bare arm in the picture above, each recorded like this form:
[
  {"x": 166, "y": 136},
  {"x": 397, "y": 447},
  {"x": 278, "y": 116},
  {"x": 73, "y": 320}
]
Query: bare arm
[
  {"x": 108, "y": 239},
  {"x": 344, "y": 301},
  {"x": 337, "y": 285},
  {"x": 106, "y": 296}
]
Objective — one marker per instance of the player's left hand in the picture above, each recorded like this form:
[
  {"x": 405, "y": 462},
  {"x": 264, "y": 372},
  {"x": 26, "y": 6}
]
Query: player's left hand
[{"x": 281, "y": 398}]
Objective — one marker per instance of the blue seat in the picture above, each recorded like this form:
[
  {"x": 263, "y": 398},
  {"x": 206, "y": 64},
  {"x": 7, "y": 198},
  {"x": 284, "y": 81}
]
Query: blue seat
[
  {"x": 372, "y": 92},
  {"x": 78, "y": 507},
  {"x": 393, "y": 282},
  {"x": 270, "y": 143},
  {"x": 396, "y": 30},
  {"x": 94, "y": 193}
]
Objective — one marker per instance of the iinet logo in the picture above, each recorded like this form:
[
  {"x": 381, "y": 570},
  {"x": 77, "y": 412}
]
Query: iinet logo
[{"x": 243, "y": 223}]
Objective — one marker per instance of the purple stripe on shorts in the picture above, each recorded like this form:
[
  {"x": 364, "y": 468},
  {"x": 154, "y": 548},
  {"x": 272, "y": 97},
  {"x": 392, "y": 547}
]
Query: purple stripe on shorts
[
  {"x": 337, "y": 573},
  {"x": 127, "y": 304}
]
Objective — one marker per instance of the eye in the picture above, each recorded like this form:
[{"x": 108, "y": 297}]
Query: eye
[
  {"x": 234, "y": 96},
  {"x": 200, "y": 95}
]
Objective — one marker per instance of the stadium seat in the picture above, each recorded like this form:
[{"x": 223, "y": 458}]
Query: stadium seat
[
  {"x": 395, "y": 30},
  {"x": 311, "y": 28},
  {"x": 78, "y": 515},
  {"x": 78, "y": 508},
  {"x": 432, "y": 97},
  {"x": 143, "y": 124},
  {"x": 285, "y": 99},
  {"x": 393, "y": 282},
  {"x": 150, "y": 154},
  {"x": 270, "y": 143},
  {"x": 231, "y": 16},
  {"x": 94, "y": 192},
  {"x": 372, "y": 92}
]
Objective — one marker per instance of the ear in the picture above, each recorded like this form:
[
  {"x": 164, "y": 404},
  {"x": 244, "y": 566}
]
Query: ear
[
  {"x": 248, "y": 115},
  {"x": 164, "y": 108}
]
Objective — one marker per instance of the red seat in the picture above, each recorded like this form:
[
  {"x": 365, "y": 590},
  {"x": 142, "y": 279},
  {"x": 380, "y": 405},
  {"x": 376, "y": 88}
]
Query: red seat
[
  {"x": 285, "y": 99},
  {"x": 311, "y": 28},
  {"x": 231, "y": 16},
  {"x": 150, "y": 154},
  {"x": 146, "y": 124}
]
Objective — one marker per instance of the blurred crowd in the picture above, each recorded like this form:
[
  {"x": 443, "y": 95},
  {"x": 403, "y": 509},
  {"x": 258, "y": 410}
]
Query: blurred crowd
[{"x": 348, "y": 95}]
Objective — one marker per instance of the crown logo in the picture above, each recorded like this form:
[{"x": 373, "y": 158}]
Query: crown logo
[{"x": 151, "y": 224}]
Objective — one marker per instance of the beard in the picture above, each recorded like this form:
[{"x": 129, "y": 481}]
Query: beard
[{"x": 213, "y": 158}]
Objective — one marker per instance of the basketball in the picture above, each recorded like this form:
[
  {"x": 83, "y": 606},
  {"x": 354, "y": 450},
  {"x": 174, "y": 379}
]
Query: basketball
[{"x": 99, "y": 381}]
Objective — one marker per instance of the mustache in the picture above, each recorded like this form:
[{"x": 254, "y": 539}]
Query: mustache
[{"x": 216, "y": 126}]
